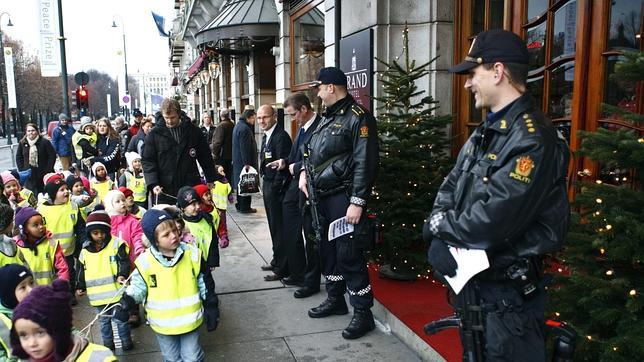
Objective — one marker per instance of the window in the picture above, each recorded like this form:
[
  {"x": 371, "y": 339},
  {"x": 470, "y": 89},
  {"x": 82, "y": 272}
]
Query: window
[{"x": 307, "y": 44}]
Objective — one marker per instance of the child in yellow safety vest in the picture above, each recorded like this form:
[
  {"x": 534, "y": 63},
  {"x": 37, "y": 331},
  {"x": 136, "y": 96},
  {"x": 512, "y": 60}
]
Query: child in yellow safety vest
[
  {"x": 101, "y": 182},
  {"x": 42, "y": 328},
  {"x": 222, "y": 194},
  {"x": 169, "y": 279},
  {"x": 42, "y": 253},
  {"x": 65, "y": 222},
  {"x": 132, "y": 207},
  {"x": 16, "y": 281},
  {"x": 17, "y": 195},
  {"x": 104, "y": 268},
  {"x": 86, "y": 201},
  {"x": 9, "y": 251},
  {"x": 133, "y": 179}
]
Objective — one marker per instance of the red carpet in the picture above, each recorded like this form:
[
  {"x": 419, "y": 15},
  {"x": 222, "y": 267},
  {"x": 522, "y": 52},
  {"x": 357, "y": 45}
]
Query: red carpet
[{"x": 415, "y": 304}]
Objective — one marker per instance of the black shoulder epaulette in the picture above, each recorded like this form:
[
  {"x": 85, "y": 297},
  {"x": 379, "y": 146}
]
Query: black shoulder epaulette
[{"x": 357, "y": 109}]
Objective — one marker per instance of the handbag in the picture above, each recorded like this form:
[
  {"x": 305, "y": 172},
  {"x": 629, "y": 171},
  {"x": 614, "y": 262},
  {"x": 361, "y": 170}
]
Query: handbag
[{"x": 248, "y": 182}]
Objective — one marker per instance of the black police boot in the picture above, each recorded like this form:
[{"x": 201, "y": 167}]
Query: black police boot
[
  {"x": 361, "y": 323},
  {"x": 332, "y": 305}
]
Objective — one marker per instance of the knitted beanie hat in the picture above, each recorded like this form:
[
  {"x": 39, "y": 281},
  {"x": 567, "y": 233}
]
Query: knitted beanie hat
[
  {"x": 6, "y": 216},
  {"x": 10, "y": 276},
  {"x": 98, "y": 220},
  {"x": 50, "y": 177},
  {"x": 108, "y": 201},
  {"x": 8, "y": 177},
  {"x": 130, "y": 157},
  {"x": 84, "y": 122},
  {"x": 48, "y": 306},
  {"x": 126, "y": 192},
  {"x": 151, "y": 220},
  {"x": 23, "y": 214},
  {"x": 71, "y": 180},
  {"x": 201, "y": 189},
  {"x": 95, "y": 167},
  {"x": 186, "y": 196},
  {"x": 52, "y": 187}
]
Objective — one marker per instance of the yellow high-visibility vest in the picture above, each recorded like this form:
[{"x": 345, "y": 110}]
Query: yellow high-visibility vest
[
  {"x": 42, "y": 262},
  {"x": 5, "y": 332},
  {"x": 95, "y": 353},
  {"x": 78, "y": 150},
  {"x": 202, "y": 231},
  {"x": 102, "y": 188},
  {"x": 101, "y": 270},
  {"x": 137, "y": 185},
  {"x": 85, "y": 210},
  {"x": 17, "y": 258},
  {"x": 173, "y": 304},
  {"x": 220, "y": 193},
  {"x": 215, "y": 218},
  {"x": 26, "y": 195},
  {"x": 60, "y": 220}
]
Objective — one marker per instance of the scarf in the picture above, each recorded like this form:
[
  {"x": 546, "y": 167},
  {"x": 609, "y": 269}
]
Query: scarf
[{"x": 33, "y": 152}]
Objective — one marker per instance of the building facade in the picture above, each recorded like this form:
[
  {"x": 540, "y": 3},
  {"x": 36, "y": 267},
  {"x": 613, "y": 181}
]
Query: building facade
[
  {"x": 153, "y": 87},
  {"x": 240, "y": 53}
]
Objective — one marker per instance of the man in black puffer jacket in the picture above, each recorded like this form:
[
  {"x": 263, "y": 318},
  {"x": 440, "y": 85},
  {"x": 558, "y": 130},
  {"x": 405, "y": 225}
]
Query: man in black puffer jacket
[{"x": 172, "y": 149}]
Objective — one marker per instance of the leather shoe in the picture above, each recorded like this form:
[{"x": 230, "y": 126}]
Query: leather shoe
[
  {"x": 361, "y": 324},
  {"x": 271, "y": 277},
  {"x": 293, "y": 281},
  {"x": 330, "y": 306},
  {"x": 305, "y": 292},
  {"x": 267, "y": 267},
  {"x": 248, "y": 211}
]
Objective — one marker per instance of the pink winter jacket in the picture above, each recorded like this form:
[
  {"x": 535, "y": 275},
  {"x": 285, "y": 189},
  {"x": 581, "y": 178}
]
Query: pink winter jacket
[{"x": 128, "y": 228}]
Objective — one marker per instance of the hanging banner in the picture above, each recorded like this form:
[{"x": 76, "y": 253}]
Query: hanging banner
[
  {"x": 11, "y": 83},
  {"x": 49, "y": 57},
  {"x": 356, "y": 61}
]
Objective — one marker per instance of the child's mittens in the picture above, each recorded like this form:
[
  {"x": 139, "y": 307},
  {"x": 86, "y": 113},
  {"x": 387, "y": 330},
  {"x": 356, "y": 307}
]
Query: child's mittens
[{"x": 223, "y": 242}]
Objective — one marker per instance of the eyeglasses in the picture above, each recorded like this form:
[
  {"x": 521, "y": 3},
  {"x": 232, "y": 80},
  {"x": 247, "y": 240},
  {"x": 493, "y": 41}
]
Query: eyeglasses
[{"x": 294, "y": 113}]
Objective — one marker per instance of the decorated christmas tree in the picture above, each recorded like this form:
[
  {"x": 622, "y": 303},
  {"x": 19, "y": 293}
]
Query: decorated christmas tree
[
  {"x": 414, "y": 159},
  {"x": 602, "y": 293}
]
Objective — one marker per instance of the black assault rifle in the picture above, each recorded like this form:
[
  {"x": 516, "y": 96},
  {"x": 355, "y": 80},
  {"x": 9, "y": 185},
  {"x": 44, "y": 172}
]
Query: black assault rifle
[{"x": 312, "y": 198}]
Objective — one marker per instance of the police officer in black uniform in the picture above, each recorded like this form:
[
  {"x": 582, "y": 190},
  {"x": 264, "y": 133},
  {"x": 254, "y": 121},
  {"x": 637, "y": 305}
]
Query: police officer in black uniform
[
  {"x": 344, "y": 154},
  {"x": 507, "y": 196}
]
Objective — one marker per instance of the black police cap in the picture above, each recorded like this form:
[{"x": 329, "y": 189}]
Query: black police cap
[
  {"x": 330, "y": 75},
  {"x": 493, "y": 46}
]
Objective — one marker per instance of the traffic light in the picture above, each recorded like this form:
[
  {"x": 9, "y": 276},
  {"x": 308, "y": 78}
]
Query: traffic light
[{"x": 82, "y": 98}]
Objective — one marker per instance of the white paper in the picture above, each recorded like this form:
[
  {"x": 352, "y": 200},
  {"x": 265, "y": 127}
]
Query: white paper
[
  {"x": 470, "y": 262},
  {"x": 338, "y": 228}
]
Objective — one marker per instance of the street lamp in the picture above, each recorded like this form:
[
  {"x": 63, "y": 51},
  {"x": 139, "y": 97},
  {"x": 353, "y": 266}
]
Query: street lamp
[
  {"x": 127, "y": 92},
  {"x": 3, "y": 81}
]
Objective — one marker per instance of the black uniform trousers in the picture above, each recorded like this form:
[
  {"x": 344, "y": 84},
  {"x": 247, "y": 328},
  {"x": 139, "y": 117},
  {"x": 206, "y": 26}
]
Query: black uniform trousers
[
  {"x": 514, "y": 327},
  {"x": 312, "y": 273},
  {"x": 343, "y": 265},
  {"x": 292, "y": 239},
  {"x": 273, "y": 197}
]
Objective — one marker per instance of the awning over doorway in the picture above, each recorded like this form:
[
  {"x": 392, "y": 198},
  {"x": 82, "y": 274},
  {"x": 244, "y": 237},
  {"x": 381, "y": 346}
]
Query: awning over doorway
[
  {"x": 196, "y": 66},
  {"x": 240, "y": 24}
]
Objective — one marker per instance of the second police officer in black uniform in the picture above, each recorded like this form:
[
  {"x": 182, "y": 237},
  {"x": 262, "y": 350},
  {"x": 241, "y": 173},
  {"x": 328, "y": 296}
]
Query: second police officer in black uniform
[
  {"x": 506, "y": 195},
  {"x": 344, "y": 154}
]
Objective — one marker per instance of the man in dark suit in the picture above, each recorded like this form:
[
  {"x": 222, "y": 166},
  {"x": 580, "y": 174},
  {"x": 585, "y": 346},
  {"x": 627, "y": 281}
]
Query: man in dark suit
[
  {"x": 303, "y": 268},
  {"x": 276, "y": 144},
  {"x": 244, "y": 155}
]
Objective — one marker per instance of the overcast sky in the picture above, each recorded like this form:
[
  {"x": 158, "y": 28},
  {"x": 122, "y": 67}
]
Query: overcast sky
[{"x": 92, "y": 42}]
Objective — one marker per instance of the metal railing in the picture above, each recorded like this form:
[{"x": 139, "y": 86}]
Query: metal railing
[{"x": 12, "y": 153}]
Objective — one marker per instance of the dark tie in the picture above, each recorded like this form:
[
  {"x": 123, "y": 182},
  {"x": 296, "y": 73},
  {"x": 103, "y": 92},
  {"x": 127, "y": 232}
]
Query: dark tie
[
  {"x": 263, "y": 144},
  {"x": 299, "y": 139}
]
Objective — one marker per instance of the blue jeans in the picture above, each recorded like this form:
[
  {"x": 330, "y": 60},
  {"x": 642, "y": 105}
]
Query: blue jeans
[
  {"x": 182, "y": 347},
  {"x": 123, "y": 328}
]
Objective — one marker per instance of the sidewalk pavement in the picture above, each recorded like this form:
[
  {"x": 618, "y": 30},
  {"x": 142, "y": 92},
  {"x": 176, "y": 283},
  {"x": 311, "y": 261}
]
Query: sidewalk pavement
[{"x": 262, "y": 321}]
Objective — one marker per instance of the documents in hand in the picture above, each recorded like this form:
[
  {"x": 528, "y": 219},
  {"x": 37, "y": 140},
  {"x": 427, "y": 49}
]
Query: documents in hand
[
  {"x": 470, "y": 262},
  {"x": 338, "y": 228}
]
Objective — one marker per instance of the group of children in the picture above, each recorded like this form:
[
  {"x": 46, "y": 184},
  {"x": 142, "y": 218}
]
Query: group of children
[{"x": 88, "y": 238}]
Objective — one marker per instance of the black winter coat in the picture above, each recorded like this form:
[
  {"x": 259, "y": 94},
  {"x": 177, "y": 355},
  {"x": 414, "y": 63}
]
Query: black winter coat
[
  {"x": 171, "y": 165},
  {"x": 109, "y": 153},
  {"x": 244, "y": 149},
  {"x": 46, "y": 161}
]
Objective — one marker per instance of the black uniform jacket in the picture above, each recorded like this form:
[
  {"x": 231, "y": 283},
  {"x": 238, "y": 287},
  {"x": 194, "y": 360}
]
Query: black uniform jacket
[
  {"x": 507, "y": 193},
  {"x": 170, "y": 164},
  {"x": 344, "y": 150}
]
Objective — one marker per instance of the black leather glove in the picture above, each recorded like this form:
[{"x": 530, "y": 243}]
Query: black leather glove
[
  {"x": 122, "y": 309},
  {"x": 441, "y": 259},
  {"x": 211, "y": 312}
]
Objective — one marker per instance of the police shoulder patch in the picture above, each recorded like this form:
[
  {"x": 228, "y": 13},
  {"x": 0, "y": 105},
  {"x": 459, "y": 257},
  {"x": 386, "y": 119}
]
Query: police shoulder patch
[
  {"x": 364, "y": 131},
  {"x": 522, "y": 170}
]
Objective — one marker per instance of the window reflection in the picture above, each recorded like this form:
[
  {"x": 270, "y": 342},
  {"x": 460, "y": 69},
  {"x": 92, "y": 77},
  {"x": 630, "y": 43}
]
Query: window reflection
[
  {"x": 565, "y": 30},
  {"x": 496, "y": 14},
  {"x": 535, "y": 38},
  {"x": 535, "y": 88},
  {"x": 618, "y": 93},
  {"x": 478, "y": 17},
  {"x": 625, "y": 23},
  {"x": 560, "y": 97},
  {"x": 536, "y": 8},
  {"x": 308, "y": 49}
]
